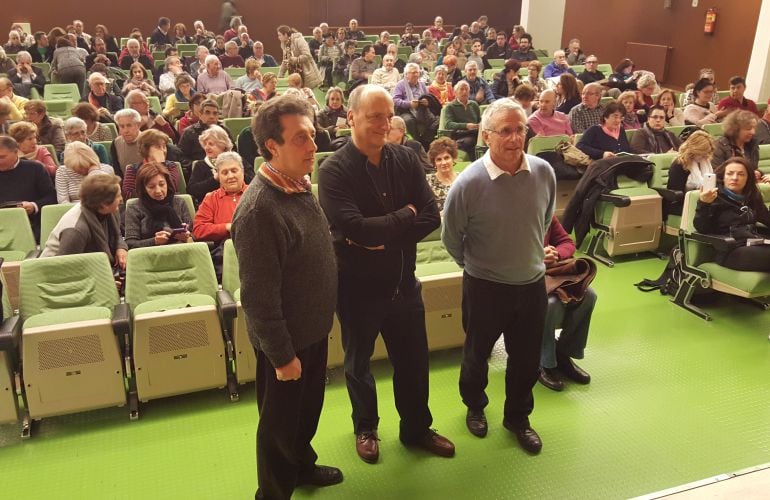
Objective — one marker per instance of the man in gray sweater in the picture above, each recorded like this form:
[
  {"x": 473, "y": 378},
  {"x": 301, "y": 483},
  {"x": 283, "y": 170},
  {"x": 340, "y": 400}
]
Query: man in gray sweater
[
  {"x": 288, "y": 278},
  {"x": 495, "y": 220}
]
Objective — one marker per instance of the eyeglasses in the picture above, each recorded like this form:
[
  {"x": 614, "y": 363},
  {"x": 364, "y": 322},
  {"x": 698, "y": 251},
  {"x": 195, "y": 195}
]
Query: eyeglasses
[
  {"x": 591, "y": 62},
  {"x": 657, "y": 117},
  {"x": 507, "y": 133}
]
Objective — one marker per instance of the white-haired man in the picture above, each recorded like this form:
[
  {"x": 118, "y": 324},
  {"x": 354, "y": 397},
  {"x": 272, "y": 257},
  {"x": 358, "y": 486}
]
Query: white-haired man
[
  {"x": 411, "y": 102},
  {"x": 558, "y": 67},
  {"x": 214, "y": 80}
]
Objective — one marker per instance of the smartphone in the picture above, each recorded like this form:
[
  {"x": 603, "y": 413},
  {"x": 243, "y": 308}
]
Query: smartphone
[
  {"x": 178, "y": 230},
  {"x": 709, "y": 181}
]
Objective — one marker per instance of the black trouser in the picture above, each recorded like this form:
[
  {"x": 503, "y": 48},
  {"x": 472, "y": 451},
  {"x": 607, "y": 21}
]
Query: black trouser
[
  {"x": 753, "y": 258},
  {"x": 518, "y": 312},
  {"x": 401, "y": 320},
  {"x": 288, "y": 419}
]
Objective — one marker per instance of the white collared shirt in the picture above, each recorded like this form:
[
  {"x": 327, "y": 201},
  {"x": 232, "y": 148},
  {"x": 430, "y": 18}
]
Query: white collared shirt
[{"x": 494, "y": 171}]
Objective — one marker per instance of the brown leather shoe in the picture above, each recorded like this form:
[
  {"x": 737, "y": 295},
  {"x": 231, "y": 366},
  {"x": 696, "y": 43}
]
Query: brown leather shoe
[
  {"x": 436, "y": 444},
  {"x": 526, "y": 436},
  {"x": 367, "y": 446}
]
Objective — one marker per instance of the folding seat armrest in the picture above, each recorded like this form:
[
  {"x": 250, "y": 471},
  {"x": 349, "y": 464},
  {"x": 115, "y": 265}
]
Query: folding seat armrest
[
  {"x": 720, "y": 243},
  {"x": 10, "y": 331},
  {"x": 227, "y": 305},
  {"x": 670, "y": 195},
  {"x": 618, "y": 200},
  {"x": 121, "y": 320},
  {"x": 33, "y": 254}
]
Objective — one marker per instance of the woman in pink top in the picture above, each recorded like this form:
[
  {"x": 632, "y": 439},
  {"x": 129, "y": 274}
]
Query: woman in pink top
[{"x": 25, "y": 134}]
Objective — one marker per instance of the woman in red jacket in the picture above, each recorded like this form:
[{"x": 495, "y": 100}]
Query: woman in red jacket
[{"x": 215, "y": 214}]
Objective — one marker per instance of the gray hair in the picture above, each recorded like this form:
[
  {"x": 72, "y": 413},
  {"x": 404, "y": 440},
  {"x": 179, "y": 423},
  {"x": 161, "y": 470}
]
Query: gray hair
[
  {"x": 74, "y": 124},
  {"x": 398, "y": 122},
  {"x": 469, "y": 64},
  {"x": 354, "y": 101},
  {"x": 133, "y": 95},
  {"x": 556, "y": 53},
  {"x": 133, "y": 41},
  {"x": 500, "y": 106},
  {"x": 128, "y": 113},
  {"x": 23, "y": 54},
  {"x": 461, "y": 83},
  {"x": 218, "y": 135},
  {"x": 210, "y": 58},
  {"x": 410, "y": 66},
  {"x": 415, "y": 58},
  {"x": 96, "y": 76},
  {"x": 440, "y": 67},
  {"x": 547, "y": 91},
  {"x": 230, "y": 44},
  {"x": 646, "y": 80},
  {"x": 228, "y": 157},
  {"x": 79, "y": 156}
]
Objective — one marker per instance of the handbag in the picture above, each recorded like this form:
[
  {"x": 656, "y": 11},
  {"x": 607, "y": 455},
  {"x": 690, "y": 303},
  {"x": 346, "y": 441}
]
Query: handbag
[
  {"x": 573, "y": 156},
  {"x": 568, "y": 279}
]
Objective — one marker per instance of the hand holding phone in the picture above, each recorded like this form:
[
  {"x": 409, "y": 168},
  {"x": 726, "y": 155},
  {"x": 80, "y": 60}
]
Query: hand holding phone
[{"x": 709, "y": 181}]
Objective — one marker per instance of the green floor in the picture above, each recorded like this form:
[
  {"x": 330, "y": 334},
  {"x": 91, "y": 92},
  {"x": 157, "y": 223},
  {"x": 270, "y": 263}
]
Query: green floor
[{"x": 674, "y": 399}]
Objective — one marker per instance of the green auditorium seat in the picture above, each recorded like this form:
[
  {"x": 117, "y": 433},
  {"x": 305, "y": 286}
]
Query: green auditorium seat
[
  {"x": 235, "y": 72},
  {"x": 59, "y": 108},
  {"x": 764, "y": 158},
  {"x": 73, "y": 332},
  {"x": 50, "y": 215},
  {"x": 61, "y": 91},
  {"x": 245, "y": 358},
  {"x": 179, "y": 344},
  {"x": 564, "y": 188},
  {"x": 17, "y": 243},
  {"x": 319, "y": 158},
  {"x": 10, "y": 333},
  {"x": 662, "y": 164},
  {"x": 714, "y": 129},
  {"x": 699, "y": 271},
  {"x": 236, "y": 125}
]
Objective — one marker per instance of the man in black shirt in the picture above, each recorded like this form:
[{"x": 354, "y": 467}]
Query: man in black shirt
[
  {"x": 591, "y": 74},
  {"x": 379, "y": 206}
]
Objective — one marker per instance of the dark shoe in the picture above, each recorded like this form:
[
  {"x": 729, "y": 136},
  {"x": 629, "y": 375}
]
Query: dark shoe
[
  {"x": 527, "y": 438},
  {"x": 436, "y": 444},
  {"x": 569, "y": 369},
  {"x": 476, "y": 423},
  {"x": 322, "y": 475},
  {"x": 549, "y": 378},
  {"x": 367, "y": 446}
]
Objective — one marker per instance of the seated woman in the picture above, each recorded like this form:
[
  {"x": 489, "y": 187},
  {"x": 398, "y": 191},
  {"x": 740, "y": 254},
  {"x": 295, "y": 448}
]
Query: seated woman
[
  {"x": 733, "y": 209},
  {"x": 442, "y": 155},
  {"x": 630, "y": 118},
  {"x": 75, "y": 130},
  {"x": 507, "y": 80},
  {"x": 204, "y": 177},
  {"x": 269, "y": 82},
  {"x": 252, "y": 80},
  {"x": 525, "y": 95},
  {"x": 691, "y": 165},
  {"x": 25, "y": 134},
  {"x": 440, "y": 87},
  {"x": 607, "y": 139},
  {"x": 91, "y": 225},
  {"x": 215, "y": 214},
  {"x": 624, "y": 77},
  {"x": 702, "y": 111},
  {"x": 153, "y": 147},
  {"x": 667, "y": 100},
  {"x": 95, "y": 131},
  {"x": 568, "y": 93},
  {"x": 738, "y": 139},
  {"x": 688, "y": 97},
  {"x": 139, "y": 81},
  {"x": 574, "y": 319},
  {"x": 653, "y": 136},
  {"x": 172, "y": 68},
  {"x": 533, "y": 76},
  {"x": 180, "y": 34},
  {"x": 49, "y": 130},
  {"x": 157, "y": 217},
  {"x": 646, "y": 86},
  {"x": 80, "y": 161},
  {"x": 334, "y": 116},
  {"x": 192, "y": 115}
]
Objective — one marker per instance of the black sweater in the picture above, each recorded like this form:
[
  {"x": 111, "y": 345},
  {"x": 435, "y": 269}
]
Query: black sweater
[
  {"x": 595, "y": 142},
  {"x": 28, "y": 182},
  {"x": 359, "y": 217}
]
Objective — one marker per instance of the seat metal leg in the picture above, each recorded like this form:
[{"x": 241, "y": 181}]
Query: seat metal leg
[
  {"x": 684, "y": 295},
  {"x": 595, "y": 245}
]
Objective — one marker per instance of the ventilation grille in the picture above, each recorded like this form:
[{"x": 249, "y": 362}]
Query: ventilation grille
[
  {"x": 178, "y": 336},
  {"x": 442, "y": 297},
  {"x": 61, "y": 353}
]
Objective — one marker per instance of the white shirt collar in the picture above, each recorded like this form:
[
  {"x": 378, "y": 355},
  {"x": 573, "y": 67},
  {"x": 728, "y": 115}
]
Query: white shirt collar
[{"x": 494, "y": 171}]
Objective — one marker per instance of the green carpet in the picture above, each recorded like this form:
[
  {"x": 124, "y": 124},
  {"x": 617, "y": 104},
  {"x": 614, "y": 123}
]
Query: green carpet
[{"x": 673, "y": 399}]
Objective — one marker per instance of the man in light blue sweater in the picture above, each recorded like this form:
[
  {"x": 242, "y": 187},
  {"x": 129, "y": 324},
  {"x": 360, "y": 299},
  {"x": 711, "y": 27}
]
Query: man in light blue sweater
[{"x": 495, "y": 219}]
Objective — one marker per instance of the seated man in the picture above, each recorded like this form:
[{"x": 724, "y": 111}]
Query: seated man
[
  {"x": 125, "y": 148},
  {"x": 397, "y": 135},
  {"x": 653, "y": 136},
  {"x": 105, "y": 103},
  {"x": 481, "y": 92},
  {"x": 215, "y": 213},
  {"x": 41, "y": 50},
  {"x": 353, "y": 33},
  {"x": 160, "y": 36},
  {"x": 387, "y": 76},
  {"x": 558, "y": 67},
  {"x": 735, "y": 100},
  {"x": 137, "y": 100},
  {"x": 24, "y": 182},
  {"x": 314, "y": 44},
  {"x": 574, "y": 53},
  {"x": 263, "y": 59},
  {"x": 524, "y": 54},
  {"x": 18, "y": 102},
  {"x": 462, "y": 118},
  {"x": 231, "y": 58},
  {"x": 500, "y": 49},
  {"x": 411, "y": 104},
  {"x": 437, "y": 30},
  {"x": 574, "y": 319},
  {"x": 213, "y": 80},
  {"x": 591, "y": 74},
  {"x": 26, "y": 77},
  {"x": 362, "y": 68},
  {"x": 188, "y": 143},
  {"x": 198, "y": 66},
  {"x": 762, "y": 135},
  {"x": 546, "y": 120},
  {"x": 134, "y": 54},
  {"x": 100, "y": 55},
  {"x": 589, "y": 111},
  {"x": 381, "y": 46}
]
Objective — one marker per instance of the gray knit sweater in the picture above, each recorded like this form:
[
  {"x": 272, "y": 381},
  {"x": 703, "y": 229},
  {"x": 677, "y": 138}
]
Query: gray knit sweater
[{"x": 288, "y": 270}]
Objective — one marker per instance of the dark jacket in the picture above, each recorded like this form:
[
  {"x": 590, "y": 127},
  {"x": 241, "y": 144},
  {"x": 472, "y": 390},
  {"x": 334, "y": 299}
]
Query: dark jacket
[
  {"x": 646, "y": 141},
  {"x": 359, "y": 217},
  {"x": 724, "y": 149},
  {"x": 36, "y": 57},
  {"x": 601, "y": 178},
  {"x": 24, "y": 89},
  {"x": 595, "y": 142}
]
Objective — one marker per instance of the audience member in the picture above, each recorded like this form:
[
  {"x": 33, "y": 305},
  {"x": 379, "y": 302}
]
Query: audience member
[
  {"x": 387, "y": 76},
  {"x": 507, "y": 79},
  {"x": 381, "y": 45},
  {"x": 607, "y": 139},
  {"x": 691, "y": 165},
  {"x": 525, "y": 96},
  {"x": 501, "y": 49},
  {"x": 738, "y": 139},
  {"x": 133, "y": 54},
  {"x": 161, "y": 36},
  {"x": 334, "y": 116},
  {"x": 181, "y": 36},
  {"x": 101, "y": 31},
  {"x": 589, "y": 111},
  {"x": 478, "y": 56},
  {"x": 702, "y": 111},
  {"x": 397, "y": 135},
  {"x": 5, "y": 115},
  {"x": 297, "y": 57},
  {"x": 523, "y": 51},
  {"x": 172, "y": 68},
  {"x": 153, "y": 148},
  {"x": 105, "y": 103},
  {"x": 26, "y": 77},
  {"x": 341, "y": 70},
  {"x": 440, "y": 88},
  {"x": 353, "y": 33},
  {"x": 214, "y": 217},
  {"x": 49, "y": 130},
  {"x": 100, "y": 55},
  {"x": 411, "y": 104},
  {"x": 25, "y": 135},
  {"x": 198, "y": 65},
  {"x": 533, "y": 76},
  {"x": 41, "y": 50},
  {"x": 231, "y": 58},
  {"x": 140, "y": 82},
  {"x": 462, "y": 118},
  {"x": 688, "y": 97},
  {"x": 630, "y": 118},
  {"x": 409, "y": 38},
  {"x": 480, "y": 89},
  {"x": 329, "y": 55},
  {"x": 546, "y": 120},
  {"x": 667, "y": 100},
  {"x": 18, "y": 102},
  {"x": 75, "y": 130},
  {"x": 558, "y": 67},
  {"x": 204, "y": 178},
  {"x": 213, "y": 80},
  {"x": 653, "y": 136},
  {"x": 125, "y": 147},
  {"x": 443, "y": 155},
  {"x": 591, "y": 72},
  {"x": 736, "y": 100},
  {"x": 568, "y": 93},
  {"x": 624, "y": 78},
  {"x": 362, "y": 68},
  {"x": 79, "y": 162},
  {"x": 763, "y": 128}
]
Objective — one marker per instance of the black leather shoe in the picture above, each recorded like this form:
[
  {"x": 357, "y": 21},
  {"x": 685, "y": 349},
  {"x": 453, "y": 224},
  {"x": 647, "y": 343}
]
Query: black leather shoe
[
  {"x": 367, "y": 446},
  {"x": 322, "y": 475},
  {"x": 476, "y": 423},
  {"x": 527, "y": 438},
  {"x": 549, "y": 378},
  {"x": 569, "y": 369}
]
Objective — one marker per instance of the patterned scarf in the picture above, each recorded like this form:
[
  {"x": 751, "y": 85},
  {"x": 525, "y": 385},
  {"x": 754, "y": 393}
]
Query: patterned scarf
[{"x": 282, "y": 181}]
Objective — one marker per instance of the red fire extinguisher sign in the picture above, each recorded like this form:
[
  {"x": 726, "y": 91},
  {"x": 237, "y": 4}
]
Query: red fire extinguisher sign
[{"x": 711, "y": 21}]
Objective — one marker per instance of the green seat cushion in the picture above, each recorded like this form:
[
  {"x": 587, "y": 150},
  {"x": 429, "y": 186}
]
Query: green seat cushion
[
  {"x": 173, "y": 302},
  {"x": 237, "y": 295},
  {"x": 68, "y": 315},
  {"x": 674, "y": 221},
  {"x": 756, "y": 284},
  {"x": 12, "y": 255},
  {"x": 434, "y": 268},
  {"x": 635, "y": 191}
]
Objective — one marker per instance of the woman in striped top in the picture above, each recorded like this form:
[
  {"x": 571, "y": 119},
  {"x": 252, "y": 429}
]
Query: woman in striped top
[{"x": 79, "y": 162}]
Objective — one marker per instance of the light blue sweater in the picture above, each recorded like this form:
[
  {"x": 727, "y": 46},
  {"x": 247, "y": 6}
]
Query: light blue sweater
[{"x": 495, "y": 229}]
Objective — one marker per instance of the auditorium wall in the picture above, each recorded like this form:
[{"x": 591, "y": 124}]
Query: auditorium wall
[{"x": 604, "y": 27}]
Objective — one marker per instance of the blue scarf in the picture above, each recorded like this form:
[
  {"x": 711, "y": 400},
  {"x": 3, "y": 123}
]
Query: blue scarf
[
  {"x": 732, "y": 196},
  {"x": 182, "y": 98}
]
